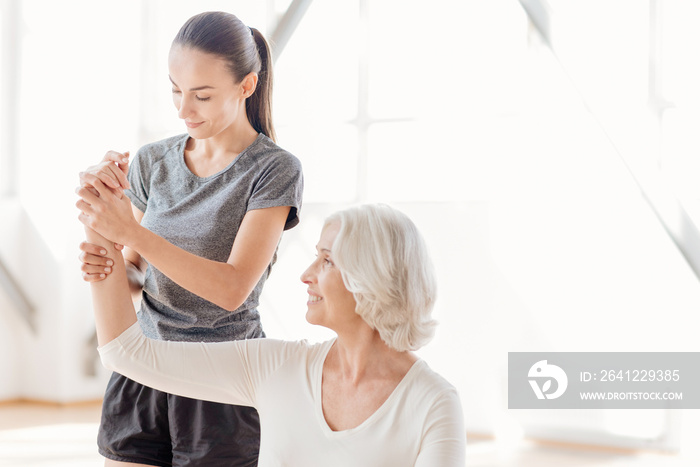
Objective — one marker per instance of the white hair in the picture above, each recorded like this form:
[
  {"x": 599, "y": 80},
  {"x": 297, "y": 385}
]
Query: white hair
[{"x": 384, "y": 262}]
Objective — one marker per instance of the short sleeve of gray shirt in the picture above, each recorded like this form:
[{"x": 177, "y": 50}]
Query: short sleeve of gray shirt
[{"x": 202, "y": 215}]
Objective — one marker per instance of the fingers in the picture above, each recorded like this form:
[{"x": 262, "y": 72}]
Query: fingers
[
  {"x": 104, "y": 191},
  {"x": 108, "y": 173},
  {"x": 124, "y": 166},
  {"x": 96, "y": 173},
  {"x": 122, "y": 161},
  {"x": 88, "y": 180},
  {"x": 84, "y": 207},
  {"x": 95, "y": 265},
  {"x": 85, "y": 220},
  {"x": 95, "y": 270},
  {"x": 111, "y": 171},
  {"x": 87, "y": 199},
  {"x": 92, "y": 249},
  {"x": 92, "y": 205},
  {"x": 114, "y": 156},
  {"x": 93, "y": 277},
  {"x": 120, "y": 175}
]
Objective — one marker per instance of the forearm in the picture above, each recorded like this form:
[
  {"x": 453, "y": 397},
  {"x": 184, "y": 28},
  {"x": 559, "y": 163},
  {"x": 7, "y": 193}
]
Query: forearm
[
  {"x": 218, "y": 282},
  {"x": 112, "y": 305}
]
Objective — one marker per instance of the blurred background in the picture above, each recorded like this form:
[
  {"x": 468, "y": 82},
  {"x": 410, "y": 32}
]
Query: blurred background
[{"x": 547, "y": 149}]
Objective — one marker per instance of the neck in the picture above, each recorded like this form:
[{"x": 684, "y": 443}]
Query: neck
[
  {"x": 232, "y": 141},
  {"x": 361, "y": 354}
]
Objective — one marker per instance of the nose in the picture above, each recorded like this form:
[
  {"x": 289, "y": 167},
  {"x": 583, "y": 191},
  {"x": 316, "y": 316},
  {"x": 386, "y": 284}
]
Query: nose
[
  {"x": 184, "y": 108},
  {"x": 308, "y": 276}
]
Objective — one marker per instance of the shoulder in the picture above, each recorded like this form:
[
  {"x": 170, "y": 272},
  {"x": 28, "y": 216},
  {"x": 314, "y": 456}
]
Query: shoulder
[
  {"x": 439, "y": 417},
  {"x": 268, "y": 153},
  {"x": 430, "y": 386},
  {"x": 153, "y": 152}
]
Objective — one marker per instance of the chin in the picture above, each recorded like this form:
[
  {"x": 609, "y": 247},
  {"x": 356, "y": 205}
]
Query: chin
[
  {"x": 309, "y": 317},
  {"x": 196, "y": 133},
  {"x": 312, "y": 318}
]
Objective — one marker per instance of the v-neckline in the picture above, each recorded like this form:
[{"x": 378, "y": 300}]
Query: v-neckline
[
  {"x": 194, "y": 176},
  {"x": 328, "y": 431}
]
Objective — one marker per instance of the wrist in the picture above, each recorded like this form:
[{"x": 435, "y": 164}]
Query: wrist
[{"x": 137, "y": 238}]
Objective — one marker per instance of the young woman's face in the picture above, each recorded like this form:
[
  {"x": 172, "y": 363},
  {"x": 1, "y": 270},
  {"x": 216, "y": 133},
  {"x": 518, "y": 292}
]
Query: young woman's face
[
  {"x": 330, "y": 304},
  {"x": 204, "y": 92}
]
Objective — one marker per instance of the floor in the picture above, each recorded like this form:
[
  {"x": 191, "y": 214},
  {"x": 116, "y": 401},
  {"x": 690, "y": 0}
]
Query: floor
[
  {"x": 486, "y": 454},
  {"x": 35, "y": 435},
  {"x": 47, "y": 435}
]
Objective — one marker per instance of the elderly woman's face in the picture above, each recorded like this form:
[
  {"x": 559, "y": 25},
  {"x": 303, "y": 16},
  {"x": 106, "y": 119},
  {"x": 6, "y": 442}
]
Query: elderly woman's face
[{"x": 330, "y": 304}]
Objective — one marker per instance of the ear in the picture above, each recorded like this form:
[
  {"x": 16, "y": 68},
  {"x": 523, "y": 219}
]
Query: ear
[{"x": 248, "y": 85}]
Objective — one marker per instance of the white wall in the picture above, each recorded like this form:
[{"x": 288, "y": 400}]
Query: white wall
[
  {"x": 14, "y": 331},
  {"x": 41, "y": 358},
  {"x": 77, "y": 90}
]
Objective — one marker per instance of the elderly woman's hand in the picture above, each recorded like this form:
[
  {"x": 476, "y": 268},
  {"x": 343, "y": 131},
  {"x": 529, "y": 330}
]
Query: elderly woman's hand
[{"x": 111, "y": 172}]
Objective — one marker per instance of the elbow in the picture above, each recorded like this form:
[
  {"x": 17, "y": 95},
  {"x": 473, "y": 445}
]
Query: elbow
[
  {"x": 108, "y": 363},
  {"x": 232, "y": 302},
  {"x": 234, "y": 290},
  {"x": 232, "y": 306}
]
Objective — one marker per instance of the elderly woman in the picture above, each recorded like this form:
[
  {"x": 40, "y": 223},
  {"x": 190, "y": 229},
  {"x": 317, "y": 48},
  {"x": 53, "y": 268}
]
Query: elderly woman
[{"x": 362, "y": 398}]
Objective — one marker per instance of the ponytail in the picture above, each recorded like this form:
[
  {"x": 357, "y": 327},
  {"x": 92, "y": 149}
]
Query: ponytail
[
  {"x": 259, "y": 104},
  {"x": 245, "y": 51}
]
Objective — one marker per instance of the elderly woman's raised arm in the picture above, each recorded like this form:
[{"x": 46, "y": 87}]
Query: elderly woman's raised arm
[
  {"x": 111, "y": 298},
  {"x": 225, "y": 372}
]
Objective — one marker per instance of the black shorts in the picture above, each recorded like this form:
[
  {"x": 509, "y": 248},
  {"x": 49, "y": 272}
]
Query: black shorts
[{"x": 142, "y": 425}]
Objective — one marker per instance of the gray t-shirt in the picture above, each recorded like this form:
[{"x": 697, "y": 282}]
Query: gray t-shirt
[{"x": 202, "y": 216}]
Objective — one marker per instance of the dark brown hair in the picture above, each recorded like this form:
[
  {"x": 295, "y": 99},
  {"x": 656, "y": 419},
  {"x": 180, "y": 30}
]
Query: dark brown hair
[{"x": 245, "y": 51}]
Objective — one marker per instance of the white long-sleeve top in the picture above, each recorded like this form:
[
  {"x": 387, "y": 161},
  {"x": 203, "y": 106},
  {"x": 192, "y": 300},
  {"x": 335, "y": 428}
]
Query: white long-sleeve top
[{"x": 420, "y": 424}]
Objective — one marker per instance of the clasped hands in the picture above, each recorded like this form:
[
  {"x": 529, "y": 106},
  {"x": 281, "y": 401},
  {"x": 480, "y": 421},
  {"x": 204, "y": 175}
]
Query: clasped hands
[{"x": 106, "y": 210}]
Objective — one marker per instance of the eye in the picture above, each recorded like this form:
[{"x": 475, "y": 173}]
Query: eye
[
  {"x": 328, "y": 262},
  {"x": 175, "y": 91},
  {"x": 202, "y": 99}
]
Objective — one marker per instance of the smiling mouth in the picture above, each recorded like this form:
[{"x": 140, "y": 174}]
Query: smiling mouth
[
  {"x": 193, "y": 125},
  {"x": 314, "y": 299}
]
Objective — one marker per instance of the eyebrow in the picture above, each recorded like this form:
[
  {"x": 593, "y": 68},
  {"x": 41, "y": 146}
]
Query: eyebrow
[
  {"x": 193, "y": 89},
  {"x": 325, "y": 250}
]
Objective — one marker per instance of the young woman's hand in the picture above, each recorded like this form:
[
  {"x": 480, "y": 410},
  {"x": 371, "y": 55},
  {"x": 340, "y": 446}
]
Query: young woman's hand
[
  {"x": 106, "y": 213},
  {"x": 95, "y": 264},
  {"x": 111, "y": 172}
]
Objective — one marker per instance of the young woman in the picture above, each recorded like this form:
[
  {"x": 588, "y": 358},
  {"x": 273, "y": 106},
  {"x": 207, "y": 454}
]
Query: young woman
[
  {"x": 206, "y": 214},
  {"x": 361, "y": 399}
]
